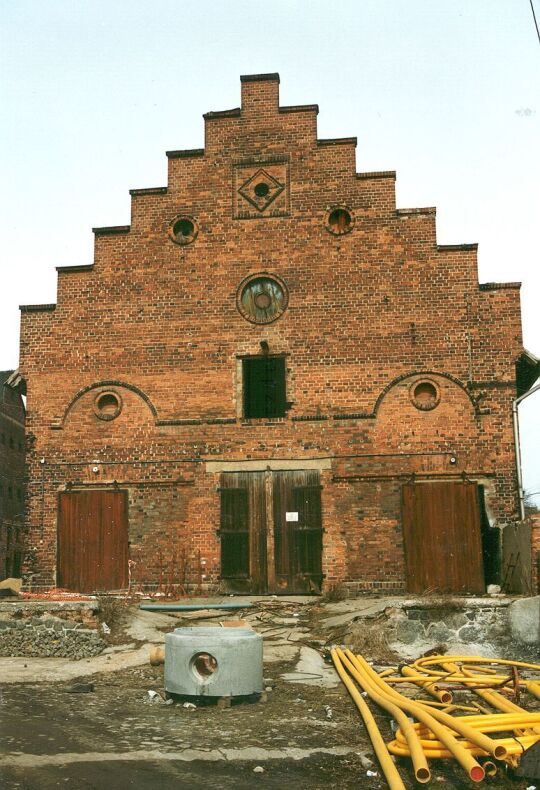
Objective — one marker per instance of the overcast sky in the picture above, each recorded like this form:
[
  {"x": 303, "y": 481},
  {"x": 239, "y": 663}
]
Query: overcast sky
[{"x": 94, "y": 91}]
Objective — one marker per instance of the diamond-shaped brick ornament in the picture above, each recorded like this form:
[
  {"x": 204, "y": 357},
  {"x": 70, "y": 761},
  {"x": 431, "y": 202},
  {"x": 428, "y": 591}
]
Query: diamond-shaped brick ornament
[{"x": 261, "y": 189}]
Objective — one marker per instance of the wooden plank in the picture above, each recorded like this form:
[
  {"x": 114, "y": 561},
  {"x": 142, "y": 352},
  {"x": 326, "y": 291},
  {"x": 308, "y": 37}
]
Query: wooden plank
[{"x": 441, "y": 531}]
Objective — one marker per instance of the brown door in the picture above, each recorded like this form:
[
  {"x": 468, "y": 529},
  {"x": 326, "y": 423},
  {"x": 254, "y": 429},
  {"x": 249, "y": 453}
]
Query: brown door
[
  {"x": 441, "y": 532},
  {"x": 92, "y": 541},
  {"x": 243, "y": 531},
  {"x": 297, "y": 532},
  {"x": 270, "y": 531}
]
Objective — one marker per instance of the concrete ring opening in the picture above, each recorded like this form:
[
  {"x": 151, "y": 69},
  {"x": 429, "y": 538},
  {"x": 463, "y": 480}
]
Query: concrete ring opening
[{"x": 203, "y": 665}]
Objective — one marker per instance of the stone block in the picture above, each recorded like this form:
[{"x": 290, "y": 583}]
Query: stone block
[{"x": 524, "y": 620}]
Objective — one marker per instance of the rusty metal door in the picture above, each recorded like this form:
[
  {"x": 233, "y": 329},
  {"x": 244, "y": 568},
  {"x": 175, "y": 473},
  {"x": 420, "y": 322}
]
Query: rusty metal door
[
  {"x": 442, "y": 537},
  {"x": 271, "y": 532},
  {"x": 92, "y": 541}
]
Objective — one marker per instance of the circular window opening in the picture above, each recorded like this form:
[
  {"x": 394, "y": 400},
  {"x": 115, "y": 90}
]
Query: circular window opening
[
  {"x": 107, "y": 405},
  {"x": 425, "y": 395},
  {"x": 184, "y": 227},
  {"x": 262, "y": 299},
  {"x": 339, "y": 221},
  {"x": 262, "y": 189},
  {"x": 183, "y": 230},
  {"x": 204, "y": 665}
]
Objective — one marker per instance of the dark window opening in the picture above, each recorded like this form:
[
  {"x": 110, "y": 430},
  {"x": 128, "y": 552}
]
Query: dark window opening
[
  {"x": 184, "y": 227},
  {"x": 234, "y": 533},
  {"x": 264, "y": 387},
  {"x": 262, "y": 189},
  {"x": 339, "y": 221},
  {"x": 308, "y": 532}
]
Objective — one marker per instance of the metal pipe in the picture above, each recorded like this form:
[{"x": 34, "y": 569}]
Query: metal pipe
[{"x": 191, "y": 607}]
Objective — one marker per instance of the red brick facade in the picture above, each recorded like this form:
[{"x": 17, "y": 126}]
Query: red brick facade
[{"x": 370, "y": 306}]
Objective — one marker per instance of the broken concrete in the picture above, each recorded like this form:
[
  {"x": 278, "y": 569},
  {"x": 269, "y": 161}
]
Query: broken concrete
[{"x": 311, "y": 670}]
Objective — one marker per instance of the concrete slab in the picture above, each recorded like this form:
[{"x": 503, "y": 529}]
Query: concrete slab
[
  {"x": 39, "y": 670},
  {"x": 143, "y": 626},
  {"x": 276, "y": 652},
  {"x": 311, "y": 670}
]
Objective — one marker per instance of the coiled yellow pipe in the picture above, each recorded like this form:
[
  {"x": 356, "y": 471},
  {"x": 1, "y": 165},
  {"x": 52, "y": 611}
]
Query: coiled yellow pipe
[
  {"x": 367, "y": 681},
  {"x": 493, "y": 697},
  {"x": 454, "y": 723}
]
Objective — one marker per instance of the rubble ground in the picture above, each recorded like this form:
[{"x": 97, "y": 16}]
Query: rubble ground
[{"x": 307, "y": 734}]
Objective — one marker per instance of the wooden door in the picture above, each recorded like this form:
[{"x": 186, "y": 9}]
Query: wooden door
[
  {"x": 92, "y": 541},
  {"x": 441, "y": 532},
  {"x": 271, "y": 535},
  {"x": 297, "y": 531},
  {"x": 243, "y": 532}
]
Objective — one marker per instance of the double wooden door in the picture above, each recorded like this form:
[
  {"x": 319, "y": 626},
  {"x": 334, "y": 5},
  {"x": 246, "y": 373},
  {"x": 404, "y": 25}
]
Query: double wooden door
[
  {"x": 271, "y": 531},
  {"x": 92, "y": 540}
]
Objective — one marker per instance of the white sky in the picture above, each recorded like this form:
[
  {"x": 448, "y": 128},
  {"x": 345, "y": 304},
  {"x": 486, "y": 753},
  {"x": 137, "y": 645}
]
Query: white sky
[{"x": 93, "y": 93}]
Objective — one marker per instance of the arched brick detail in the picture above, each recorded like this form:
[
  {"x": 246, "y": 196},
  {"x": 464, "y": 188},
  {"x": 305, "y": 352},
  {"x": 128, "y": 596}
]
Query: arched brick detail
[
  {"x": 110, "y": 383},
  {"x": 427, "y": 374}
]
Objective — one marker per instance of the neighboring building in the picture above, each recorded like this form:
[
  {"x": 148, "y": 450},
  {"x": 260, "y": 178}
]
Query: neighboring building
[
  {"x": 272, "y": 381},
  {"x": 12, "y": 478}
]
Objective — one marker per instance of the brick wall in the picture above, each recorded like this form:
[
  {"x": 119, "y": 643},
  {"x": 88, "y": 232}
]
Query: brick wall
[{"x": 371, "y": 313}]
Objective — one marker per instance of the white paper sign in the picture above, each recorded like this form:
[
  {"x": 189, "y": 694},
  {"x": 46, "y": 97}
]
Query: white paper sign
[{"x": 289, "y": 516}]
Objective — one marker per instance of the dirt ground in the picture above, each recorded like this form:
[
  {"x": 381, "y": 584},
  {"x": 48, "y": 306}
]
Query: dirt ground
[{"x": 303, "y": 736}]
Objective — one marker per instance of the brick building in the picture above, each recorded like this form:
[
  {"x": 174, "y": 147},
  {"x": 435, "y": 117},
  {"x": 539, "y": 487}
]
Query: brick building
[
  {"x": 12, "y": 477},
  {"x": 272, "y": 380}
]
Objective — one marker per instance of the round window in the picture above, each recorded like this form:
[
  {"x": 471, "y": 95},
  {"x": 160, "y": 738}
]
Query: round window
[
  {"x": 262, "y": 299},
  {"x": 107, "y": 405},
  {"x": 183, "y": 230},
  {"x": 339, "y": 220},
  {"x": 425, "y": 395}
]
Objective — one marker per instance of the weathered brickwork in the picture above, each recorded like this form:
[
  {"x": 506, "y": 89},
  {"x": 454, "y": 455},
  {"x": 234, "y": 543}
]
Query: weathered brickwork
[
  {"x": 12, "y": 478},
  {"x": 371, "y": 312}
]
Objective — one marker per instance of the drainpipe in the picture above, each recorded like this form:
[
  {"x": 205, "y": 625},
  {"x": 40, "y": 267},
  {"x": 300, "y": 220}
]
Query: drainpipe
[{"x": 515, "y": 404}]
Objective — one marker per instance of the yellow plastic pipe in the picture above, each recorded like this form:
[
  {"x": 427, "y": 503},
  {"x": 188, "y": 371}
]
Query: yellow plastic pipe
[
  {"x": 533, "y": 687},
  {"x": 514, "y": 746},
  {"x": 500, "y": 722},
  {"x": 427, "y": 684},
  {"x": 471, "y": 766},
  {"x": 453, "y": 722},
  {"x": 383, "y": 755},
  {"x": 423, "y": 664},
  {"x": 497, "y": 700},
  {"x": 421, "y": 770}
]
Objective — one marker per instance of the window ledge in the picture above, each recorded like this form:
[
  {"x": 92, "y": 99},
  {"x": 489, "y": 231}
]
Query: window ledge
[{"x": 263, "y": 420}]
